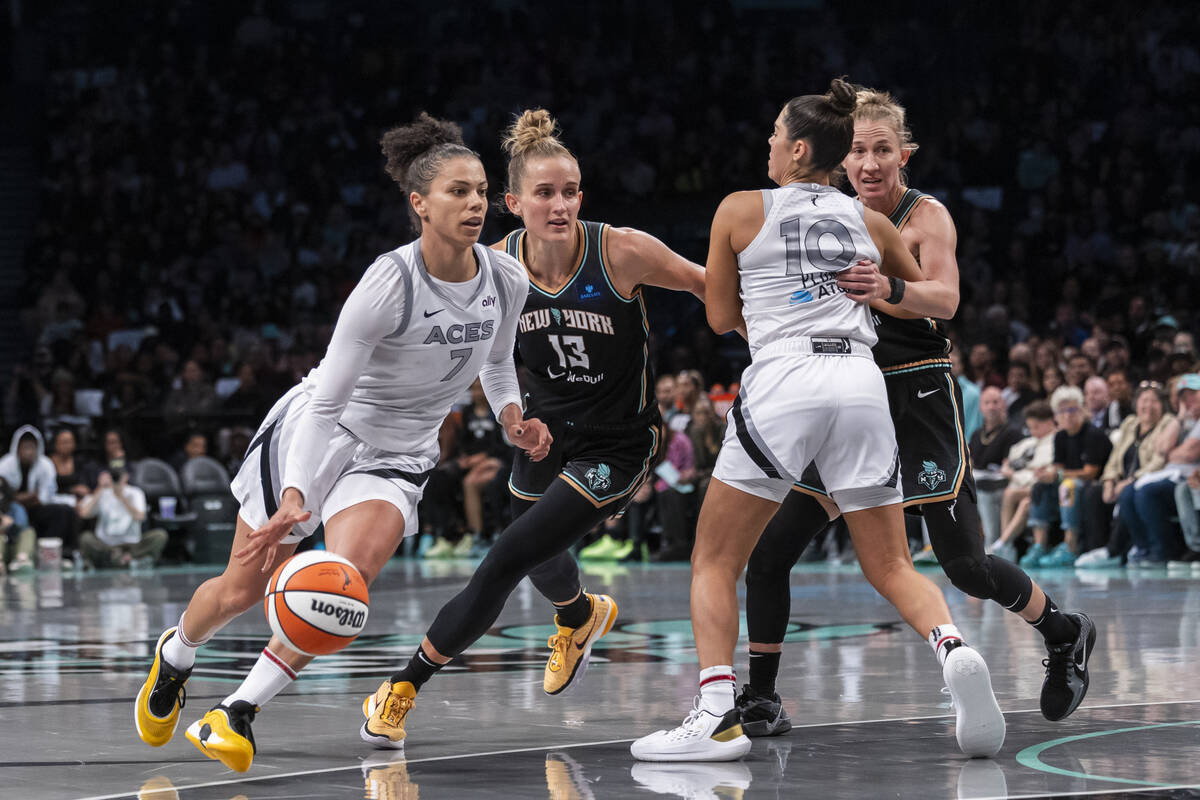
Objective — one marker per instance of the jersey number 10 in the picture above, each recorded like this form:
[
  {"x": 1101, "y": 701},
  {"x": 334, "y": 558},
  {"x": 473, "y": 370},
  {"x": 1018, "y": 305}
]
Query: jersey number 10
[{"x": 799, "y": 246}]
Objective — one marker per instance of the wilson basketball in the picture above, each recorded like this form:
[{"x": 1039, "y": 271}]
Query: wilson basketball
[{"x": 316, "y": 603}]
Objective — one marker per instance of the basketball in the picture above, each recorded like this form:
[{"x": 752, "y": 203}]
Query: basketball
[{"x": 316, "y": 603}]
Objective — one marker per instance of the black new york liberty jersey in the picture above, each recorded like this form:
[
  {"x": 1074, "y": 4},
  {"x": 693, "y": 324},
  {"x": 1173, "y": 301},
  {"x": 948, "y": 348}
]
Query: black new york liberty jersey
[
  {"x": 910, "y": 345},
  {"x": 584, "y": 345}
]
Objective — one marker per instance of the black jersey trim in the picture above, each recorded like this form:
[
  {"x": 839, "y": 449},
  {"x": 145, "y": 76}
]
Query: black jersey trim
[{"x": 583, "y": 253}]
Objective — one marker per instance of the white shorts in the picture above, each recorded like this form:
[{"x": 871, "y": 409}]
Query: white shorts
[
  {"x": 796, "y": 407},
  {"x": 351, "y": 472}
]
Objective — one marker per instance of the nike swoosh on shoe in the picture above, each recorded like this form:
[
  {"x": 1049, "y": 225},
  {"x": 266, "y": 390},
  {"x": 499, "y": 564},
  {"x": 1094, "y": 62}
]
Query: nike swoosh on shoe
[{"x": 581, "y": 644}]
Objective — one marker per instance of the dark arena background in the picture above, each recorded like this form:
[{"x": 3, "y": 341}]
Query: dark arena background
[{"x": 190, "y": 190}]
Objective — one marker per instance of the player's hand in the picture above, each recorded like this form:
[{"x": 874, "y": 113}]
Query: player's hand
[
  {"x": 864, "y": 282},
  {"x": 532, "y": 436},
  {"x": 264, "y": 542}
]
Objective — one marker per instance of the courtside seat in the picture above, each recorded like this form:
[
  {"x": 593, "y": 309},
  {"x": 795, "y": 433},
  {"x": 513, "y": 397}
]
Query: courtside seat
[{"x": 206, "y": 487}]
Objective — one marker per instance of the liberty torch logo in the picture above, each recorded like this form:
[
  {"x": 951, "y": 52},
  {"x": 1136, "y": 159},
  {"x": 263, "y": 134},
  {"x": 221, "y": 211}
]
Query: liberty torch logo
[
  {"x": 931, "y": 477},
  {"x": 599, "y": 477}
]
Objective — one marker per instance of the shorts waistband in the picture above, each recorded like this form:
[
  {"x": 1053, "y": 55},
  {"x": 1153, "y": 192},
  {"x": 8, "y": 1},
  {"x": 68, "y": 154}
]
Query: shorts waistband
[
  {"x": 647, "y": 418},
  {"x": 816, "y": 345},
  {"x": 925, "y": 365}
]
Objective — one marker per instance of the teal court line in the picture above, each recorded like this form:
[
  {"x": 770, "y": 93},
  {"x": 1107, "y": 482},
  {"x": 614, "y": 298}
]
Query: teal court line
[{"x": 1031, "y": 756}]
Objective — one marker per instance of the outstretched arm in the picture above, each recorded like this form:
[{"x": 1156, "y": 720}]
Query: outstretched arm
[{"x": 637, "y": 258}]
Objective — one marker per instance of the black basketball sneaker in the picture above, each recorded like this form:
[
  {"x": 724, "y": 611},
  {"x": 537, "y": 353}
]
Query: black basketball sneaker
[
  {"x": 1066, "y": 682},
  {"x": 762, "y": 714}
]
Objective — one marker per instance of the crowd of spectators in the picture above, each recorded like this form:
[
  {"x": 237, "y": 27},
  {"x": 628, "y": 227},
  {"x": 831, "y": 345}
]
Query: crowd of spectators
[{"x": 211, "y": 190}]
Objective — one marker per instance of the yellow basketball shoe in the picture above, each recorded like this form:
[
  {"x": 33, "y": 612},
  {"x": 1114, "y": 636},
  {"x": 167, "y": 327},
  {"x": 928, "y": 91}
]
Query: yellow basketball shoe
[
  {"x": 224, "y": 734},
  {"x": 156, "y": 710},
  {"x": 571, "y": 648},
  {"x": 385, "y": 777},
  {"x": 386, "y": 711},
  {"x": 565, "y": 779},
  {"x": 158, "y": 788}
]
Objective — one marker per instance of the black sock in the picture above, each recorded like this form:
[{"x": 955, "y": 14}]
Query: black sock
[
  {"x": 576, "y": 612},
  {"x": 420, "y": 669},
  {"x": 764, "y": 667},
  {"x": 1055, "y": 626}
]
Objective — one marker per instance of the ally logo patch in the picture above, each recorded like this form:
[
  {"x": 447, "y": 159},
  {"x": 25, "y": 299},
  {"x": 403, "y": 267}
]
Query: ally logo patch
[
  {"x": 931, "y": 477},
  {"x": 599, "y": 477}
]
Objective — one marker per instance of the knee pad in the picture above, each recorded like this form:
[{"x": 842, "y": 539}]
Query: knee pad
[
  {"x": 991, "y": 578},
  {"x": 762, "y": 570},
  {"x": 970, "y": 576}
]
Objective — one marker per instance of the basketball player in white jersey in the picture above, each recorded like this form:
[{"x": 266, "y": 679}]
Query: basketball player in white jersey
[
  {"x": 583, "y": 339},
  {"x": 935, "y": 470},
  {"x": 811, "y": 393},
  {"x": 353, "y": 443}
]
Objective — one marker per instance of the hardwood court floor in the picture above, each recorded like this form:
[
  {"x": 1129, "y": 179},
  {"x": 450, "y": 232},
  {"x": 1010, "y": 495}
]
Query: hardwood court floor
[{"x": 863, "y": 690}]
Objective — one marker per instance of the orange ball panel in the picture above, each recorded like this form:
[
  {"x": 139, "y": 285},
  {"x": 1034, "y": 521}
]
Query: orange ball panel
[{"x": 304, "y": 635}]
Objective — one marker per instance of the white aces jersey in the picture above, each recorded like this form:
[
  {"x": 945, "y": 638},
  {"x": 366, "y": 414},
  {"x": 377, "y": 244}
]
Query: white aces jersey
[
  {"x": 403, "y": 351},
  {"x": 787, "y": 274}
]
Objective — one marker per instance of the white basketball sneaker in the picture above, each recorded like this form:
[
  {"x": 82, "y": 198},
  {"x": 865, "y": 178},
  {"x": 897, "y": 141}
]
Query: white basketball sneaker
[
  {"x": 979, "y": 725},
  {"x": 730, "y": 779},
  {"x": 703, "y": 736}
]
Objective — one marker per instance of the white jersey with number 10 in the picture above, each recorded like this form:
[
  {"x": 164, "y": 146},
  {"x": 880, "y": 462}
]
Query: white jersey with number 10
[{"x": 788, "y": 273}]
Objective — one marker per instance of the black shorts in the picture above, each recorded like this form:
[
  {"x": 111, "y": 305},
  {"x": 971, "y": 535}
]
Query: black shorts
[
  {"x": 605, "y": 465},
  {"x": 935, "y": 465}
]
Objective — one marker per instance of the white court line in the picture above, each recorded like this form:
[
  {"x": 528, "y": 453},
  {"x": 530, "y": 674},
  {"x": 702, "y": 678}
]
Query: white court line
[
  {"x": 1093, "y": 792},
  {"x": 357, "y": 765},
  {"x": 948, "y": 716},
  {"x": 431, "y": 759}
]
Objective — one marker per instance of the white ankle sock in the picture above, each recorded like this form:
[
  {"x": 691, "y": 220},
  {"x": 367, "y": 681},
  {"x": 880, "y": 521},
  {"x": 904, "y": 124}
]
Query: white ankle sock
[
  {"x": 718, "y": 689},
  {"x": 943, "y": 639},
  {"x": 267, "y": 678},
  {"x": 179, "y": 651}
]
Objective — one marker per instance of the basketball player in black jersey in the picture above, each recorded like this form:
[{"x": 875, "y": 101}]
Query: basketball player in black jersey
[
  {"x": 926, "y": 406},
  {"x": 583, "y": 340}
]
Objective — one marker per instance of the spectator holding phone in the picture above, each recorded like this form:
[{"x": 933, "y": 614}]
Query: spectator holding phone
[{"x": 120, "y": 510}]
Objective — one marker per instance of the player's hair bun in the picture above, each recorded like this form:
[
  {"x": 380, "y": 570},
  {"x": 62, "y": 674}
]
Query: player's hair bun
[
  {"x": 842, "y": 97},
  {"x": 405, "y": 144},
  {"x": 532, "y": 129}
]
